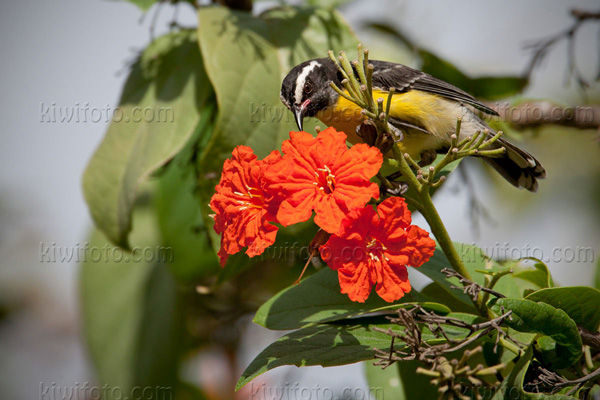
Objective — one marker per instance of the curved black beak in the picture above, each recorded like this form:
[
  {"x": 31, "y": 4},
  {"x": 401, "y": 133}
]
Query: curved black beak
[{"x": 299, "y": 112}]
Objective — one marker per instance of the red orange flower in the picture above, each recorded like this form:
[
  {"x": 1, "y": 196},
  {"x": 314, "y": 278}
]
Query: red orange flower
[
  {"x": 244, "y": 208},
  {"x": 323, "y": 175},
  {"x": 374, "y": 247}
]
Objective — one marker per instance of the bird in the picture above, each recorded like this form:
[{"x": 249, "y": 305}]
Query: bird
[{"x": 423, "y": 108}]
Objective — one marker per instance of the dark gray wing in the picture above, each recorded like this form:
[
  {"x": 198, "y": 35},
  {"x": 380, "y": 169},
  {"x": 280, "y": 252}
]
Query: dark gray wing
[{"x": 390, "y": 75}]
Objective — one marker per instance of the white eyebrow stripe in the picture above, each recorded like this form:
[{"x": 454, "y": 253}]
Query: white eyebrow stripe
[{"x": 302, "y": 79}]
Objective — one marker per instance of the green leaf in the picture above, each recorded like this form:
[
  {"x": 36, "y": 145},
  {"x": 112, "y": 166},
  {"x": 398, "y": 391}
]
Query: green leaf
[
  {"x": 478, "y": 264},
  {"x": 472, "y": 257},
  {"x": 247, "y": 58},
  {"x": 512, "y": 386},
  {"x": 325, "y": 345},
  {"x": 399, "y": 382},
  {"x": 529, "y": 316},
  {"x": 524, "y": 279},
  {"x": 540, "y": 275},
  {"x": 131, "y": 319},
  {"x": 179, "y": 212},
  {"x": 490, "y": 88},
  {"x": 594, "y": 392},
  {"x": 318, "y": 299},
  {"x": 581, "y": 303},
  {"x": 165, "y": 91},
  {"x": 144, "y": 5},
  {"x": 436, "y": 292}
]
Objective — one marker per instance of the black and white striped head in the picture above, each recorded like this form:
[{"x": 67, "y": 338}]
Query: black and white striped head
[{"x": 306, "y": 91}]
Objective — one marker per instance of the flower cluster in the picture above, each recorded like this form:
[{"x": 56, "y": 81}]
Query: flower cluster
[{"x": 366, "y": 247}]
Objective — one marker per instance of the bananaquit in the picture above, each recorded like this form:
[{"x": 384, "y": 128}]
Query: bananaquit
[{"x": 425, "y": 109}]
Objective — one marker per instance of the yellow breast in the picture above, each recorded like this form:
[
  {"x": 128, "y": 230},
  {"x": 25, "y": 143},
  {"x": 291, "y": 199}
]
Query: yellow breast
[{"x": 433, "y": 113}]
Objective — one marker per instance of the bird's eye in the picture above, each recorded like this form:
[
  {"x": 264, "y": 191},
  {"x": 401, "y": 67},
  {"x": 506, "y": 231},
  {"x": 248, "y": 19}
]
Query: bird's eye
[{"x": 307, "y": 88}]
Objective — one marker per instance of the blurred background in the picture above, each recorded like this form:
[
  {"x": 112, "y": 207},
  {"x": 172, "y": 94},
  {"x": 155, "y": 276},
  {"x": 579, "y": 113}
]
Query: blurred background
[{"x": 75, "y": 53}]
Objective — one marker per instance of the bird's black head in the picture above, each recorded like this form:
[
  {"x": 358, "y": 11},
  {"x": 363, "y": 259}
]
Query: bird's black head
[{"x": 306, "y": 91}]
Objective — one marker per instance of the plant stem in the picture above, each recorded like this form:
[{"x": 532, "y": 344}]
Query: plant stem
[
  {"x": 434, "y": 220},
  {"x": 441, "y": 234},
  {"x": 492, "y": 282},
  {"x": 510, "y": 346},
  {"x": 432, "y": 216}
]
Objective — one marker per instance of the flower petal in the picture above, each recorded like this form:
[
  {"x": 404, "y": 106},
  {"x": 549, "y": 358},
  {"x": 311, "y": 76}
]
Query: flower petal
[
  {"x": 356, "y": 282},
  {"x": 394, "y": 283},
  {"x": 419, "y": 247},
  {"x": 329, "y": 214}
]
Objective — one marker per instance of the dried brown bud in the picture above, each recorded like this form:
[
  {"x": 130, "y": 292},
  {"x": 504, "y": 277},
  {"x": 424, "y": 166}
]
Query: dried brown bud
[
  {"x": 319, "y": 240},
  {"x": 384, "y": 142},
  {"x": 367, "y": 131}
]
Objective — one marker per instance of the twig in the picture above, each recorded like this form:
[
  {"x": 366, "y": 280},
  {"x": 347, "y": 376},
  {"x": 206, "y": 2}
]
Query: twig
[
  {"x": 591, "y": 377},
  {"x": 425, "y": 352},
  {"x": 470, "y": 287},
  {"x": 450, "y": 376},
  {"x": 541, "y": 48},
  {"x": 588, "y": 338}
]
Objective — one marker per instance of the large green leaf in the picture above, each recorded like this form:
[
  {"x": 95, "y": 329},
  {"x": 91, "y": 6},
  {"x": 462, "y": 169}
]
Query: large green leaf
[
  {"x": 341, "y": 342},
  {"x": 435, "y": 291},
  {"x": 325, "y": 345},
  {"x": 318, "y": 299},
  {"x": 179, "y": 212},
  {"x": 165, "y": 91},
  {"x": 131, "y": 319},
  {"x": 581, "y": 303},
  {"x": 529, "y": 316},
  {"x": 512, "y": 386},
  {"x": 246, "y": 58}
]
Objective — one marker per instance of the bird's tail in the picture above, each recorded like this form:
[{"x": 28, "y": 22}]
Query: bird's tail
[{"x": 517, "y": 166}]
